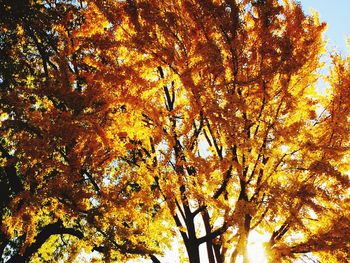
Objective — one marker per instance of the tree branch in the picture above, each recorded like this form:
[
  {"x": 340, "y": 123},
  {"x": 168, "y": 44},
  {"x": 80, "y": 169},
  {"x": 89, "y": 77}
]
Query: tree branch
[
  {"x": 154, "y": 259},
  {"x": 198, "y": 210},
  {"x": 42, "y": 237},
  {"x": 213, "y": 234}
]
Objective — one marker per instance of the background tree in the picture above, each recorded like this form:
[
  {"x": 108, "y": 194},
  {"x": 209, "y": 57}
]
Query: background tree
[
  {"x": 57, "y": 172},
  {"x": 140, "y": 116}
]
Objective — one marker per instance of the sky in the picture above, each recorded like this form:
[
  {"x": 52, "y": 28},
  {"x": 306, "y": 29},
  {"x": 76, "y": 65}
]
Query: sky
[{"x": 337, "y": 16}]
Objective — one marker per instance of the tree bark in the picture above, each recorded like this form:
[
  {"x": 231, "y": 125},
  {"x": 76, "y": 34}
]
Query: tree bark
[
  {"x": 193, "y": 251},
  {"x": 209, "y": 243}
]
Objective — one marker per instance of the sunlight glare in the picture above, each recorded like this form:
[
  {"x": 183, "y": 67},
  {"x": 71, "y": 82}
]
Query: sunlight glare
[{"x": 256, "y": 250}]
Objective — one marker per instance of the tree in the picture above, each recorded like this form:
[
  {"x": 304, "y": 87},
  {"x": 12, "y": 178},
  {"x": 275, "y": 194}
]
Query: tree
[
  {"x": 130, "y": 118},
  {"x": 49, "y": 121}
]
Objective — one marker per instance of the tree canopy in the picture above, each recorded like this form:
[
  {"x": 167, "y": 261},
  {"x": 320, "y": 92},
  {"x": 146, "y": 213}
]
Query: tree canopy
[{"x": 128, "y": 126}]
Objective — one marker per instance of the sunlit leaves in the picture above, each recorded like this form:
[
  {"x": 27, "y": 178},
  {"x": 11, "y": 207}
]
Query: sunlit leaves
[{"x": 129, "y": 119}]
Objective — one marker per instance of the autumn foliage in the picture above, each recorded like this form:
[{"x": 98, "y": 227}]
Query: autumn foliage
[{"x": 132, "y": 128}]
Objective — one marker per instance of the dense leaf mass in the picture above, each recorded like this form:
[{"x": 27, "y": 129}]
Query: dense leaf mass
[{"x": 129, "y": 127}]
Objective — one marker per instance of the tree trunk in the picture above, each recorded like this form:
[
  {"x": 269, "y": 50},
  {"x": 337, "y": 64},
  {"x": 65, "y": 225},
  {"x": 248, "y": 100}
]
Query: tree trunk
[
  {"x": 247, "y": 220},
  {"x": 241, "y": 248},
  {"x": 193, "y": 251},
  {"x": 209, "y": 243}
]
